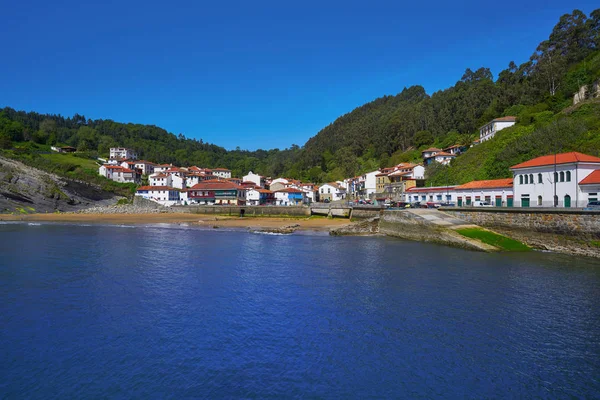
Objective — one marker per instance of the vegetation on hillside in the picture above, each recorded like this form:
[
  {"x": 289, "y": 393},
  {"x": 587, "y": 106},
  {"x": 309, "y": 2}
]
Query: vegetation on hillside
[{"x": 386, "y": 131}]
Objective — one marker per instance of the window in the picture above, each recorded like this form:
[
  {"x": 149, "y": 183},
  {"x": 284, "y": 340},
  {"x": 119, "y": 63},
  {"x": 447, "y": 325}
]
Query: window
[
  {"x": 520, "y": 179},
  {"x": 555, "y": 201},
  {"x": 526, "y": 179},
  {"x": 568, "y": 176},
  {"x": 562, "y": 176},
  {"x": 540, "y": 178},
  {"x": 539, "y": 201},
  {"x": 530, "y": 178},
  {"x": 555, "y": 177},
  {"x": 328, "y": 190}
]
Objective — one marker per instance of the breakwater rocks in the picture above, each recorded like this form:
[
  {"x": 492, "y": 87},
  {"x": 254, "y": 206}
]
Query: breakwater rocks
[
  {"x": 123, "y": 209},
  {"x": 285, "y": 230},
  {"x": 366, "y": 227}
]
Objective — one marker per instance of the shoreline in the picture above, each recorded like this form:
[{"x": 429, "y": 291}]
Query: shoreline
[{"x": 207, "y": 221}]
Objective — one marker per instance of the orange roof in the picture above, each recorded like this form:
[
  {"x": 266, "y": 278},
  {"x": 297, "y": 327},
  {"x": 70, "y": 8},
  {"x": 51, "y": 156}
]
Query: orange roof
[
  {"x": 488, "y": 184},
  {"x": 431, "y": 149},
  {"x": 263, "y": 191},
  {"x": 213, "y": 184},
  {"x": 591, "y": 179},
  {"x": 508, "y": 118},
  {"x": 564, "y": 158},
  {"x": 118, "y": 168},
  {"x": 156, "y": 188},
  {"x": 289, "y": 190},
  {"x": 220, "y": 169}
]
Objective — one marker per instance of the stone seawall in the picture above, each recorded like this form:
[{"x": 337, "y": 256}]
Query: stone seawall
[
  {"x": 565, "y": 231},
  {"x": 248, "y": 210},
  {"x": 407, "y": 225},
  {"x": 365, "y": 213}
]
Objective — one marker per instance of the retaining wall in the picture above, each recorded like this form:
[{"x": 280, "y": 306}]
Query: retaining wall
[{"x": 563, "y": 230}]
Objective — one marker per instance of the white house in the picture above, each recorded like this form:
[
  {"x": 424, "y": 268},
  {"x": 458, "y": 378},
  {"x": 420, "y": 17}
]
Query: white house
[
  {"x": 146, "y": 167},
  {"x": 556, "y": 180},
  {"x": 158, "y": 168},
  {"x": 442, "y": 157},
  {"x": 117, "y": 173},
  {"x": 430, "y": 152},
  {"x": 122, "y": 153},
  {"x": 370, "y": 185},
  {"x": 258, "y": 180},
  {"x": 160, "y": 179},
  {"x": 221, "y": 173},
  {"x": 165, "y": 195},
  {"x": 488, "y": 131},
  {"x": 290, "y": 197},
  {"x": 497, "y": 192},
  {"x": 332, "y": 191}
]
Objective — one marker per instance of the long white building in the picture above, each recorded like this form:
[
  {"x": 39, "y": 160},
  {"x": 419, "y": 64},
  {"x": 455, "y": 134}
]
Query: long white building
[{"x": 560, "y": 180}]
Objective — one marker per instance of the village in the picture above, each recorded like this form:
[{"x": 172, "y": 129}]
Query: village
[{"x": 569, "y": 180}]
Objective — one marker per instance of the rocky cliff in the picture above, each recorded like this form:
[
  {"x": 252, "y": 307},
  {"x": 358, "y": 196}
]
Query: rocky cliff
[{"x": 26, "y": 190}]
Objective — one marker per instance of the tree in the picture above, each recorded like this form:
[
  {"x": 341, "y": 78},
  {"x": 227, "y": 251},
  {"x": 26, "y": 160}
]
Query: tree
[
  {"x": 423, "y": 138},
  {"x": 5, "y": 142}
]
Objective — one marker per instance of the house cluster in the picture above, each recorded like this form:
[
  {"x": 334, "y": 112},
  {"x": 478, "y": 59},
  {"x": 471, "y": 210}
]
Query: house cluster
[
  {"x": 442, "y": 156},
  {"x": 556, "y": 180}
]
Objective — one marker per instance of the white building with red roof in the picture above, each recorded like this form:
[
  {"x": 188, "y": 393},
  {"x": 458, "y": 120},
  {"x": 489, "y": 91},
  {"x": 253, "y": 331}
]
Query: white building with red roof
[
  {"x": 160, "y": 179},
  {"x": 258, "y": 180},
  {"x": 165, "y": 195},
  {"x": 290, "y": 197},
  {"x": 118, "y": 173},
  {"x": 332, "y": 191},
  {"x": 221, "y": 173},
  {"x": 489, "y": 130},
  {"x": 557, "y": 180},
  {"x": 496, "y": 192},
  {"x": 122, "y": 153}
]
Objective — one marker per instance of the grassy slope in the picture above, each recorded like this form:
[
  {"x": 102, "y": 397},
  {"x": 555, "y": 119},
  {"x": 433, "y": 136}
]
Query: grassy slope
[
  {"x": 493, "y": 239},
  {"x": 77, "y": 167},
  {"x": 574, "y": 129}
]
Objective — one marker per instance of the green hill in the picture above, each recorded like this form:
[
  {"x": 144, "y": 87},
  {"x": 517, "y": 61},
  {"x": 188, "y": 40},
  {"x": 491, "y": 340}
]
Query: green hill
[{"x": 383, "y": 132}]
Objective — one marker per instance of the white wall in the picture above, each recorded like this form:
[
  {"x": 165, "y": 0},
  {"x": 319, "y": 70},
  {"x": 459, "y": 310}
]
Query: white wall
[{"x": 579, "y": 196}]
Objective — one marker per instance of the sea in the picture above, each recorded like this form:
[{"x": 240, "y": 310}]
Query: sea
[{"x": 178, "y": 312}]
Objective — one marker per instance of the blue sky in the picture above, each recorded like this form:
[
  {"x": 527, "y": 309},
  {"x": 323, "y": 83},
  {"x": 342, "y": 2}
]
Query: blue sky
[{"x": 253, "y": 74}]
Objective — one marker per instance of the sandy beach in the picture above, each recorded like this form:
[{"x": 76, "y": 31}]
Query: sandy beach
[{"x": 312, "y": 223}]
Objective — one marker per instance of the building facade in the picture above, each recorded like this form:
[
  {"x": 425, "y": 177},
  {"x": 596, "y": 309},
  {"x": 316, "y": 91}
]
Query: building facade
[
  {"x": 556, "y": 180},
  {"x": 122, "y": 153},
  {"x": 489, "y": 130}
]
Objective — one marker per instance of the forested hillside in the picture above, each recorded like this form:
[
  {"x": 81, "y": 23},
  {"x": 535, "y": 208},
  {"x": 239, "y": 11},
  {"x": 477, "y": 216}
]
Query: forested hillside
[{"x": 390, "y": 129}]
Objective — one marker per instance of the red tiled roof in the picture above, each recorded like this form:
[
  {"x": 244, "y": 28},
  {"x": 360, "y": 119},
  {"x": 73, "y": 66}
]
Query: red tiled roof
[
  {"x": 213, "y": 184},
  {"x": 443, "y": 153},
  {"x": 118, "y": 167},
  {"x": 591, "y": 179},
  {"x": 508, "y": 118},
  {"x": 289, "y": 190},
  {"x": 156, "y": 188},
  {"x": 431, "y": 149},
  {"x": 488, "y": 184},
  {"x": 563, "y": 158},
  {"x": 220, "y": 169}
]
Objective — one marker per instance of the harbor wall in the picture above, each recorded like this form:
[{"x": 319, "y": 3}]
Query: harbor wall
[{"x": 561, "y": 230}]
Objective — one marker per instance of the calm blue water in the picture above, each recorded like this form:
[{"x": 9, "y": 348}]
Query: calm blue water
[{"x": 159, "y": 312}]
